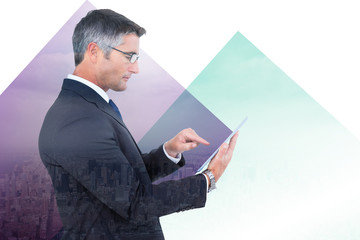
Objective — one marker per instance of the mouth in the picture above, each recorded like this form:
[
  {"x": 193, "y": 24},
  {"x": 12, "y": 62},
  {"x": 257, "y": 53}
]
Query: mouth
[{"x": 126, "y": 77}]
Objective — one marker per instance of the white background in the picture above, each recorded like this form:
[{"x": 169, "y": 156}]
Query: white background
[{"x": 315, "y": 42}]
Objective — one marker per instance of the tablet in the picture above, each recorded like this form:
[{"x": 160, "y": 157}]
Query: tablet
[{"x": 206, "y": 164}]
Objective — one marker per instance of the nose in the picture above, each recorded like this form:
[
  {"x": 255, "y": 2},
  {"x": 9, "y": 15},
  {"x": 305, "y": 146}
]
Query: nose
[{"x": 134, "y": 67}]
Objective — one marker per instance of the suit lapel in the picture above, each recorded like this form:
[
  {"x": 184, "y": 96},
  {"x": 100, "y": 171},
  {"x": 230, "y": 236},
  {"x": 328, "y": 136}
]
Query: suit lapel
[
  {"x": 93, "y": 97},
  {"x": 106, "y": 108}
]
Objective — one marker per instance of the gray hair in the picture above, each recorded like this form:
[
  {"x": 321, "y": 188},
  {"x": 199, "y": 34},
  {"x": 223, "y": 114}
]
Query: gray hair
[{"x": 104, "y": 27}]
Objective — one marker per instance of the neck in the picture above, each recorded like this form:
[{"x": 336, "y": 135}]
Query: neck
[{"x": 87, "y": 74}]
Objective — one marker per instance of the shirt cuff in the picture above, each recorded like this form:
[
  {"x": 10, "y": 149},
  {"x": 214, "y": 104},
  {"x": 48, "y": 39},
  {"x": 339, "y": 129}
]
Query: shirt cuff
[
  {"x": 176, "y": 159},
  {"x": 207, "y": 182}
]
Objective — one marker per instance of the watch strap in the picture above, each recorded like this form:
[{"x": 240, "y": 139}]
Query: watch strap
[{"x": 212, "y": 180}]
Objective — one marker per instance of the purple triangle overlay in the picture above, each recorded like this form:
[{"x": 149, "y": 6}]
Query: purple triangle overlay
[
  {"x": 187, "y": 112},
  {"x": 162, "y": 108},
  {"x": 28, "y": 207}
]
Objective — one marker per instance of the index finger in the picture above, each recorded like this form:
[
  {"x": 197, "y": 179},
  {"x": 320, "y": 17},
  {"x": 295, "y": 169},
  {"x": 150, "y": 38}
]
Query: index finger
[{"x": 193, "y": 137}]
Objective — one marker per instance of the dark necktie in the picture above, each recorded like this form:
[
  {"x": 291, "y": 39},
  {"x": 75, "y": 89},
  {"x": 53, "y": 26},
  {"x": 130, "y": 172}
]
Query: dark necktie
[{"x": 112, "y": 104}]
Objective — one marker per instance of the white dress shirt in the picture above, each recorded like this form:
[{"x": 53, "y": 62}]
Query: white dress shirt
[{"x": 104, "y": 95}]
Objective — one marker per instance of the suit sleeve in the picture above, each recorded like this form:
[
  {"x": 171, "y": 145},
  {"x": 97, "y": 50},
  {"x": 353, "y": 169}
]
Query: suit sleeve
[
  {"x": 90, "y": 154},
  {"x": 158, "y": 164}
]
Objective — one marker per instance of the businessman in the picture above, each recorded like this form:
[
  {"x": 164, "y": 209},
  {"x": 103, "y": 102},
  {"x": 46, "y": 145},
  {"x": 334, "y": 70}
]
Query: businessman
[{"x": 102, "y": 181}]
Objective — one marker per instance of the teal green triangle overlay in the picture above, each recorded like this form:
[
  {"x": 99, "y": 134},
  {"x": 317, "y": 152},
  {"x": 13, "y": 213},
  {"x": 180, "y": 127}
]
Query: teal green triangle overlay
[
  {"x": 241, "y": 79},
  {"x": 295, "y": 170}
]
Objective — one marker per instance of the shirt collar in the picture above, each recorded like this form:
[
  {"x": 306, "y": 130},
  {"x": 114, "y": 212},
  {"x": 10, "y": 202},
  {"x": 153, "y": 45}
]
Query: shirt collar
[{"x": 91, "y": 85}]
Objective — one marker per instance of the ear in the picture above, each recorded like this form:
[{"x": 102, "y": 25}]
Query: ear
[{"x": 93, "y": 51}]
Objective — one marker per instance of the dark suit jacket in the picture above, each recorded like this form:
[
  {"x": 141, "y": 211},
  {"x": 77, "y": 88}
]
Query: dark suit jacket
[{"x": 103, "y": 183}]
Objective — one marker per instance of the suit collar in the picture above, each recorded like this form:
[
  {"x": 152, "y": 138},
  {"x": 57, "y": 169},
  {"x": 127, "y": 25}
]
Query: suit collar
[
  {"x": 91, "y": 96},
  {"x": 93, "y": 86}
]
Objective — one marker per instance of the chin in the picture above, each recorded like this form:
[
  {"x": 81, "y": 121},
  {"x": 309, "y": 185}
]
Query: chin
[{"x": 120, "y": 88}]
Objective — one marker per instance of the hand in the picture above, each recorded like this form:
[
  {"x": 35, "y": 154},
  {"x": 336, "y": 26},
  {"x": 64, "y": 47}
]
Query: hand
[
  {"x": 185, "y": 140},
  {"x": 219, "y": 163}
]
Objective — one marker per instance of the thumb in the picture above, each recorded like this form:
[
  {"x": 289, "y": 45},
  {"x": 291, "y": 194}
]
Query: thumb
[
  {"x": 220, "y": 155},
  {"x": 223, "y": 150}
]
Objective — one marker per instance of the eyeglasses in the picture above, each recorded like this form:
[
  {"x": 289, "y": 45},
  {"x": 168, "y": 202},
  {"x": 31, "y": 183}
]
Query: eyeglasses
[{"x": 133, "y": 57}]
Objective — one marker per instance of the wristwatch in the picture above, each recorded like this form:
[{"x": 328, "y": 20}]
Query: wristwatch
[{"x": 212, "y": 180}]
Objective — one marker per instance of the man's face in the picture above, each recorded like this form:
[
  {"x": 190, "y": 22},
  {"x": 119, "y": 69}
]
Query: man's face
[{"x": 114, "y": 72}]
